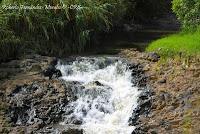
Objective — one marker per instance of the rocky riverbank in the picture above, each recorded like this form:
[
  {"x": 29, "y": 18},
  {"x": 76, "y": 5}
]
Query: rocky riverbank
[
  {"x": 169, "y": 102},
  {"x": 34, "y": 99},
  {"x": 176, "y": 100},
  {"x": 24, "y": 86}
]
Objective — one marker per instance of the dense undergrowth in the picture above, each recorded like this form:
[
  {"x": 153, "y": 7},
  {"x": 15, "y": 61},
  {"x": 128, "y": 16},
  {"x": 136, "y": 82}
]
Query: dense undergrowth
[
  {"x": 68, "y": 30},
  {"x": 56, "y": 31}
]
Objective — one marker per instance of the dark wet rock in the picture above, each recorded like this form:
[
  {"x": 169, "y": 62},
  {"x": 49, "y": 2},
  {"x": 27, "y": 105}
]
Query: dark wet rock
[
  {"x": 36, "y": 105},
  {"x": 42, "y": 102},
  {"x": 139, "y": 78},
  {"x": 2, "y": 95},
  {"x": 143, "y": 108},
  {"x": 52, "y": 72},
  {"x": 145, "y": 101},
  {"x": 72, "y": 131},
  {"x": 165, "y": 96},
  {"x": 145, "y": 95},
  {"x": 54, "y": 62},
  {"x": 140, "y": 130},
  {"x": 98, "y": 83},
  {"x": 16, "y": 90},
  {"x": 142, "y": 81},
  {"x": 153, "y": 57},
  {"x": 77, "y": 122}
]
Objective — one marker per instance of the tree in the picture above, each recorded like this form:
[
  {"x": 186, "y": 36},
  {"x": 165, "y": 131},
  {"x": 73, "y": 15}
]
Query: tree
[{"x": 188, "y": 12}]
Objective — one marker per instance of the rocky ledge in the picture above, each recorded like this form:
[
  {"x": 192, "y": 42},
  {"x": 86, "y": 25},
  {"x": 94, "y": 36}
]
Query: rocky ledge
[
  {"x": 34, "y": 99},
  {"x": 26, "y": 84},
  {"x": 175, "y": 84}
]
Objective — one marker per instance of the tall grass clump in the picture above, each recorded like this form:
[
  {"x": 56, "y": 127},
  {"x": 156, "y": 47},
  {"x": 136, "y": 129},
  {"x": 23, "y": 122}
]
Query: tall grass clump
[
  {"x": 10, "y": 45},
  {"x": 60, "y": 31}
]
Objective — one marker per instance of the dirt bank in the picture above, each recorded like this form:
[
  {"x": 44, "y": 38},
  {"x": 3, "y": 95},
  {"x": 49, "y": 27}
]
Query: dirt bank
[{"x": 176, "y": 100}]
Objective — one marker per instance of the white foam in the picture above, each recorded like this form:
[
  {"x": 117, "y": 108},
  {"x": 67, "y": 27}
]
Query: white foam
[{"x": 109, "y": 112}]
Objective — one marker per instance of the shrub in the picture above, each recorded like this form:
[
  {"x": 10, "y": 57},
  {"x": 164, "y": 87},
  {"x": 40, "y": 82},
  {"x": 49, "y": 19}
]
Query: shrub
[{"x": 188, "y": 12}]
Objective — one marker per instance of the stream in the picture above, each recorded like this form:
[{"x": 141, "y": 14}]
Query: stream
[
  {"x": 80, "y": 95},
  {"x": 98, "y": 94},
  {"x": 106, "y": 96}
]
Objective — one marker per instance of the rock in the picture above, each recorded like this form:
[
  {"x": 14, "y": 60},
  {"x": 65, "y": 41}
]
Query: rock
[
  {"x": 2, "y": 95},
  {"x": 72, "y": 131},
  {"x": 144, "y": 96},
  {"x": 197, "y": 74},
  {"x": 146, "y": 68},
  {"x": 98, "y": 83},
  {"x": 142, "y": 109},
  {"x": 28, "y": 100},
  {"x": 77, "y": 122},
  {"x": 39, "y": 124},
  {"x": 16, "y": 90},
  {"x": 57, "y": 74},
  {"x": 36, "y": 68},
  {"x": 153, "y": 57},
  {"x": 54, "y": 61},
  {"x": 162, "y": 81},
  {"x": 52, "y": 72},
  {"x": 153, "y": 132}
]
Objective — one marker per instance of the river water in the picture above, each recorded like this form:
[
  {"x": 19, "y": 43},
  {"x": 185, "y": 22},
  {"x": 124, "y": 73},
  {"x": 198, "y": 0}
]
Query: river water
[{"x": 105, "y": 94}]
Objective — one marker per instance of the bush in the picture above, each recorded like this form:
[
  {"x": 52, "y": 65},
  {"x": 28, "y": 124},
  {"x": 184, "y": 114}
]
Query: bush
[{"x": 188, "y": 12}]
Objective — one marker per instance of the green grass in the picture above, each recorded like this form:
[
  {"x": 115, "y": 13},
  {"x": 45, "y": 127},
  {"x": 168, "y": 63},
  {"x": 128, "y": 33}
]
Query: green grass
[{"x": 181, "y": 44}]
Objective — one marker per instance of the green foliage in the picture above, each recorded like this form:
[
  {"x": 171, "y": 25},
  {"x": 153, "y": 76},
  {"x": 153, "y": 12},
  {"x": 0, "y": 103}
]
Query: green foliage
[
  {"x": 187, "y": 44},
  {"x": 10, "y": 45},
  {"x": 58, "y": 31},
  {"x": 188, "y": 12},
  {"x": 184, "y": 44}
]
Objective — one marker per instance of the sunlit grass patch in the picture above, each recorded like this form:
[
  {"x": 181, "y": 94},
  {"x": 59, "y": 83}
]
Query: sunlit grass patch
[{"x": 182, "y": 44}]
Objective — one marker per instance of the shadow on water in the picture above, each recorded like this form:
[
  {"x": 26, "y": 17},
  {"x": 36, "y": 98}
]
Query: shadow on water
[
  {"x": 118, "y": 41},
  {"x": 113, "y": 43}
]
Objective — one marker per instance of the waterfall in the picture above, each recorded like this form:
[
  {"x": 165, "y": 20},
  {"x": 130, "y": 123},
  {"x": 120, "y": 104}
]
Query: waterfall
[{"x": 105, "y": 94}]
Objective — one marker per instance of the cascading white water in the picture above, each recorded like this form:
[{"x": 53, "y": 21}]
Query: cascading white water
[{"x": 105, "y": 95}]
